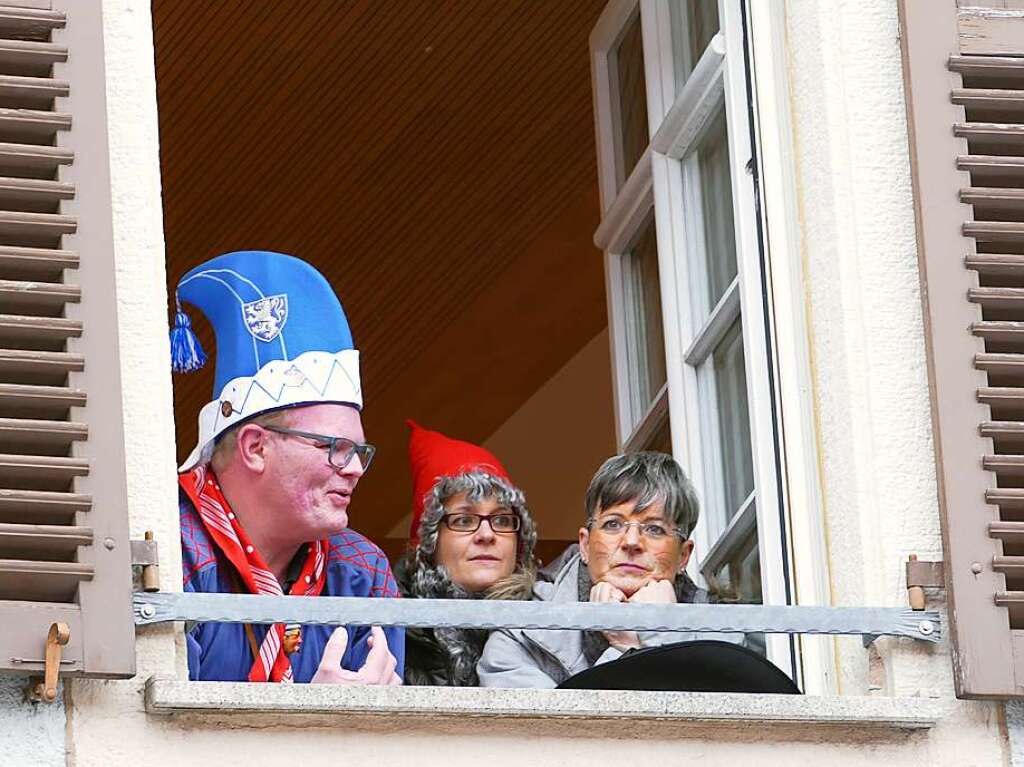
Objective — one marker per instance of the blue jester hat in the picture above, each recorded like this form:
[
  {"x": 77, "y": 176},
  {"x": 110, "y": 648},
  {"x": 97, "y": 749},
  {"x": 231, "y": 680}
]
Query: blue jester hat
[{"x": 282, "y": 340}]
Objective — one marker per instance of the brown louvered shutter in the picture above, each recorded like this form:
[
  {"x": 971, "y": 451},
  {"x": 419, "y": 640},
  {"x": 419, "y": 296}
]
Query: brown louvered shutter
[
  {"x": 64, "y": 548},
  {"x": 964, "y": 75}
]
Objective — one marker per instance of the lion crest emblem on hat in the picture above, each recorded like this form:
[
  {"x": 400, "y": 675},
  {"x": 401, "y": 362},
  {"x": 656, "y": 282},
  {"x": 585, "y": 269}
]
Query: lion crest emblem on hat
[{"x": 265, "y": 318}]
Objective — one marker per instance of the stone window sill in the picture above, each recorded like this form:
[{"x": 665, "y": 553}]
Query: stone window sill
[{"x": 587, "y": 711}]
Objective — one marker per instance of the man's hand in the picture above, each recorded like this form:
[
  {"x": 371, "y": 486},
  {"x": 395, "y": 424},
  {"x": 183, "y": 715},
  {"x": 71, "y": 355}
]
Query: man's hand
[
  {"x": 655, "y": 592},
  {"x": 620, "y": 640},
  {"x": 379, "y": 668}
]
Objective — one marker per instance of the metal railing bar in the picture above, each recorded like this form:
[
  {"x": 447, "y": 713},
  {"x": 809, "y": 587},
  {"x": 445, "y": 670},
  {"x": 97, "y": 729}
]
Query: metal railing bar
[{"x": 455, "y": 613}]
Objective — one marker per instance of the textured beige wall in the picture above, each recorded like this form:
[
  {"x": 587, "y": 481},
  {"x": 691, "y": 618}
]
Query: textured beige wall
[
  {"x": 867, "y": 344},
  {"x": 871, "y": 405}
]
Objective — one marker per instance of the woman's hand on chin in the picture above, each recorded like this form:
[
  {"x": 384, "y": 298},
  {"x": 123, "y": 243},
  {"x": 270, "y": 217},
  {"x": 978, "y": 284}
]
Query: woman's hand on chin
[
  {"x": 655, "y": 592},
  {"x": 620, "y": 640}
]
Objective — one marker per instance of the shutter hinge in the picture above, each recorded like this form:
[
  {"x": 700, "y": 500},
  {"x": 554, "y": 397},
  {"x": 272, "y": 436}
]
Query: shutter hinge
[
  {"x": 921, "y": 576},
  {"x": 146, "y": 555}
]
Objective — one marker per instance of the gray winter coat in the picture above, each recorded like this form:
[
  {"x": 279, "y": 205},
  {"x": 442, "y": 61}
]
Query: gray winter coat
[{"x": 544, "y": 658}]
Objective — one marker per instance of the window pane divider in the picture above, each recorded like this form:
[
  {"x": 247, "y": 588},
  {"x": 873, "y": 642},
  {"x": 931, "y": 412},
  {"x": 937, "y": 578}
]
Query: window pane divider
[
  {"x": 718, "y": 323},
  {"x": 625, "y": 217},
  {"x": 696, "y": 104},
  {"x": 656, "y": 414},
  {"x": 739, "y": 527}
]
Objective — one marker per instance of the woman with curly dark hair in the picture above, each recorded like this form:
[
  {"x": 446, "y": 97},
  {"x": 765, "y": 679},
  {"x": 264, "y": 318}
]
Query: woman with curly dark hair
[{"x": 471, "y": 537}]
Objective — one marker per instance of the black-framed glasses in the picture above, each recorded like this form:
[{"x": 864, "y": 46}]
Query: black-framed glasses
[
  {"x": 655, "y": 531},
  {"x": 465, "y": 522},
  {"x": 340, "y": 449}
]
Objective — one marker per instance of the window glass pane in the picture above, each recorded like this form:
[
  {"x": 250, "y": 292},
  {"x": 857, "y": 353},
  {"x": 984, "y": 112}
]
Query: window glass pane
[
  {"x": 661, "y": 440},
  {"x": 733, "y": 420},
  {"x": 702, "y": 18},
  {"x": 632, "y": 92},
  {"x": 738, "y": 578},
  {"x": 646, "y": 348},
  {"x": 694, "y": 23},
  {"x": 716, "y": 206}
]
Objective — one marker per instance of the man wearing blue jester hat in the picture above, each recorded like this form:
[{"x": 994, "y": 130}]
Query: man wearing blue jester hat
[{"x": 264, "y": 496}]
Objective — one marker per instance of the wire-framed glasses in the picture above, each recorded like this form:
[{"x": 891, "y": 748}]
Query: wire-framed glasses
[
  {"x": 339, "y": 449},
  {"x": 465, "y": 522},
  {"x": 614, "y": 527}
]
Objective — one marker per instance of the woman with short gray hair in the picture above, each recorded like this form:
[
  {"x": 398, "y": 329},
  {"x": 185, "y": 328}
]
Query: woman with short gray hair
[
  {"x": 634, "y": 546},
  {"x": 471, "y": 537}
]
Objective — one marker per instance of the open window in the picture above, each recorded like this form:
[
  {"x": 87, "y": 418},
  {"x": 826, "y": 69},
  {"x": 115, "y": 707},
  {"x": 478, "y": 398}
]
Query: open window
[
  {"x": 436, "y": 165},
  {"x": 686, "y": 297},
  {"x": 448, "y": 189}
]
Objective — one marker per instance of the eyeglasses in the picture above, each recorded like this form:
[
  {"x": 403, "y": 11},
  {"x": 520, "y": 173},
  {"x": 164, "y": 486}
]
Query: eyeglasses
[
  {"x": 464, "y": 522},
  {"x": 340, "y": 449},
  {"x": 655, "y": 531}
]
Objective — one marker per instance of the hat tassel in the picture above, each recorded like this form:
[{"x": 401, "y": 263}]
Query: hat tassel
[{"x": 186, "y": 353}]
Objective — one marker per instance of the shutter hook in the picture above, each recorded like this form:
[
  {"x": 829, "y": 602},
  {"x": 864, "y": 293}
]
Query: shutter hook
[{"x": 56, "y": 638}]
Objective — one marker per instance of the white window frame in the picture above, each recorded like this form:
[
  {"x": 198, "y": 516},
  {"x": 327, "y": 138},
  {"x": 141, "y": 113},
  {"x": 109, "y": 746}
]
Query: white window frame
[{"x": 656, "y": 183}]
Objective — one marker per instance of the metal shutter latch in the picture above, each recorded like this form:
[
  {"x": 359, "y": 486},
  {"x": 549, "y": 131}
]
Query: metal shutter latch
[{"x": 45, "y": 690}]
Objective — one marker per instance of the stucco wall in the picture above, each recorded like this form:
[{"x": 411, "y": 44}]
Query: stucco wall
[
  {"x": 871, "y": 405},
  {"x": 30, "y": 733},
  {"x": 866, "y": 335}
]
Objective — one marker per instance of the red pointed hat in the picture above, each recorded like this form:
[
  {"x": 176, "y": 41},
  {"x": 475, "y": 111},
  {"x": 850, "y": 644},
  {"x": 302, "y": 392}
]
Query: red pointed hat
[{"x": 432, "y": 455}]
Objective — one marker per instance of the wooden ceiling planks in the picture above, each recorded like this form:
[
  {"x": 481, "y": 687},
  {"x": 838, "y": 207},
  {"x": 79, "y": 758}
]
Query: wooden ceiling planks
[{"x": 434, "y": 160}]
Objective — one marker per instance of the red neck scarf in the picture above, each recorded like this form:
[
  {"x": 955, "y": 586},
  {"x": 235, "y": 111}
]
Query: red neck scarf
[{"x": 201, "y": 486}]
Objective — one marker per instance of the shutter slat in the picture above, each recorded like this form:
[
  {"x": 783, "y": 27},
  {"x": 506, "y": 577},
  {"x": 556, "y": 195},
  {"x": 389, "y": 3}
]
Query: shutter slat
[
  {"x": 22, "y": 296},
  {"x": 994, "y": 198},
  {"x": 1008, "y": 565},
  {"x": 33, "y": 160},
  {"x": 988, "y": 98},
  {"x": 41, "y": 506},
  {"x": 18, "y": 327},
  {"x": 986, "y": 133},
  {"x": 988, "y": 66},
  {"x": 39, "y": 263},
  {"x": 1007, "y": 166},
  {"x": 29, "y": 126},
  {"x": 39, "y": 401},
  {"x": 31, "y": 435},
  {"x": 32, "y": 92},
  {"x": 32, "y": 57},
  {"x": 20, "y": 228},
  {"x": 32, "y": 366},
  {"x": 1002, "y": 364},
  {"x": 1004, "y": 465},
  {"x": 29, "y": 24},
  {"x": 33, "y": 195},
  {"x": 999, "y": 331},
  {"x": 1002, "y": 430},
  {"x": 1005, "y": 396},
  {"x": 1007, "y": 532},
  {"x": 995, "y": 231},
  {"x": 1006, "y": 497},
  {"x": 985, "y": 263},
  {"x": 997, "y": 298},
  {"x": 42, "y": 542},
  {"x": 42, "y": 581},
  {"x": 40, "y": 469}
]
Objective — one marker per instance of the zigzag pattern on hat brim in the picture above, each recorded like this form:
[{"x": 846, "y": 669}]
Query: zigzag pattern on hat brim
[{"x": 310, "y": 378}]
